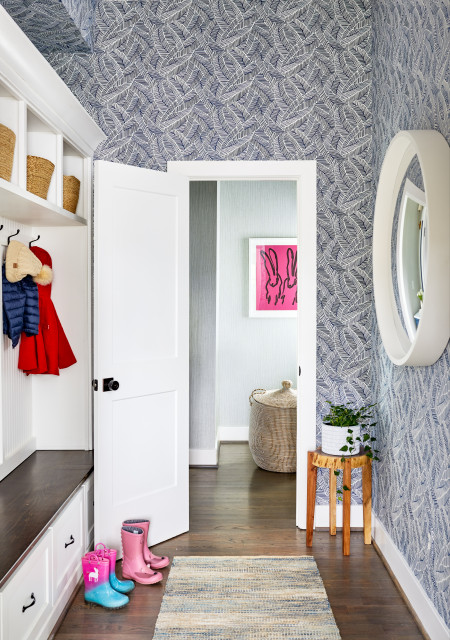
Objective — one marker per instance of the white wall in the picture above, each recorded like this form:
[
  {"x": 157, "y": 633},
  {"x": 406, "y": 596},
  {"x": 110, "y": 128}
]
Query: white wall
[{"x": 252, "y": 352}]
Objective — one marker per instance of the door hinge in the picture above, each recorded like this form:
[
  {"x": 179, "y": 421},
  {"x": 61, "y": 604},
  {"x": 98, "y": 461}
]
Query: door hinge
[
  {"x": 299, "y": 371},
  {"x": 95, "y": 385}
]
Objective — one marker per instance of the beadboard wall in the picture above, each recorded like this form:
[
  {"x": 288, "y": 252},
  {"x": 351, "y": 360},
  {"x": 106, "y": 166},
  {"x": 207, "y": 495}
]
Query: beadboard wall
[{"x": 17, "y": 439}]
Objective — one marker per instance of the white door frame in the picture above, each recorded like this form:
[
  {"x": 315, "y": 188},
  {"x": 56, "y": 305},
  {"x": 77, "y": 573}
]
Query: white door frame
[{"x": 303, "y": 172}]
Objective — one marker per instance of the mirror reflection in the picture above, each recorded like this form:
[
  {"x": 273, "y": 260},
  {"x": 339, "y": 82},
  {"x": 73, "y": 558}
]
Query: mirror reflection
[{"x": 410, "y": 248}]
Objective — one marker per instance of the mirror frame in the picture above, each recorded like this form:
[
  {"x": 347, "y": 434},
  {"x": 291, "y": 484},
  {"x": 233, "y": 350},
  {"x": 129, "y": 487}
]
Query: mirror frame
[{"x": 433, "y": 331}]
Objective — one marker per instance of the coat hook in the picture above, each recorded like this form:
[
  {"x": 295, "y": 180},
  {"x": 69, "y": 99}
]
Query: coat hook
[
  {"x": 35, "y": 240},
  {"x": 1, "y": 227},
  {"x": 13, "y": 234}
]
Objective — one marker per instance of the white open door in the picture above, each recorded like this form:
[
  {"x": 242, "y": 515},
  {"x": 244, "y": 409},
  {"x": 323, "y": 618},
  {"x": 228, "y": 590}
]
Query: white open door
[{"x": 141, "y": 342}]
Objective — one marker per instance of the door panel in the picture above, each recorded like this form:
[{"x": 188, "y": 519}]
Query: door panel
[
  {"x": 142, "y": 341},
  {"x": 153, "y": 270},
  {"x": 148, "y": 420}
]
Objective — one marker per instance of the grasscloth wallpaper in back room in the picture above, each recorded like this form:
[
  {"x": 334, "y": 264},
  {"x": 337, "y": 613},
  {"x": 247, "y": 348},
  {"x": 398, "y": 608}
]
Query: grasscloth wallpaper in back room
[
  {"x": 253, "y": 80},
  {"x": 411, "y": 91}
]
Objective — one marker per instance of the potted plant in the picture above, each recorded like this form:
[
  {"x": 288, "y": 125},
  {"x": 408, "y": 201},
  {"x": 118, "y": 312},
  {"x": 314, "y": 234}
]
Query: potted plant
[{"x": 346, "y": 430}]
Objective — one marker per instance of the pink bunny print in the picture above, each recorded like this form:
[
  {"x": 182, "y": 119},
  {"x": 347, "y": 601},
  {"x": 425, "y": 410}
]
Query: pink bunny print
[
  {"x": 289, "y": 295},
  {"x": 274, "y": 281}
]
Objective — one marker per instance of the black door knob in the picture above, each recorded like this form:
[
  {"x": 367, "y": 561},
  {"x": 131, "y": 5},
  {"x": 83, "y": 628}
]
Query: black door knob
[{"x": 109, "y": 384}]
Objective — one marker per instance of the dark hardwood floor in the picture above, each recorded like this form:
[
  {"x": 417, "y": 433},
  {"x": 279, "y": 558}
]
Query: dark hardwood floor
[{"x": 240, "y": 509}]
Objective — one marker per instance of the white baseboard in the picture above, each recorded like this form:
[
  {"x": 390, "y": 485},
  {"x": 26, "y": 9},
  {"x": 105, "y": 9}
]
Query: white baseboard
[
  {"x": 20, "y": 456},
  {"x": 233, "y": 434},
  {"x": 203, "y": 457},
  {"x": 321, "y": 515},
  {"x": 424, "y": 609}
]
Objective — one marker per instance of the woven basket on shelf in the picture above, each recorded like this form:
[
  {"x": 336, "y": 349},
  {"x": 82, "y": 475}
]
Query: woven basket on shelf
[
  {"x": 39, "y": 174},
  {"x": 71, "y": 193},
  {"x": 273, "y": 428},
  {"x": 7, "y": 144}
]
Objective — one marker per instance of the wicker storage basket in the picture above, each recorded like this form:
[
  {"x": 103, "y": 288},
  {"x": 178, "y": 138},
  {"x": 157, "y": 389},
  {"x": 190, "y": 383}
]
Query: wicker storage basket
[
  {"x": 39, "y": 174},
  {"x": 7, "y": 144},
  {"x": 71, "y": 193},
  {"x": 273, "y": 428}
]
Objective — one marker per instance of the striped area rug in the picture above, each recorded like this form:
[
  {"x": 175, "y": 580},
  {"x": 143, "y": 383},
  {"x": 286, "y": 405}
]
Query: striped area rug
[{"x": 245, "y": 598}]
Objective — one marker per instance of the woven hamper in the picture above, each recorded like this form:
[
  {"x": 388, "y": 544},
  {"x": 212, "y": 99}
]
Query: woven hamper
[
  {"x": 273, "y": 428},
  {"x": 71, "y": 193},
  {"x": 7, "y": 145},
  {"x": 39, "y": 175}
]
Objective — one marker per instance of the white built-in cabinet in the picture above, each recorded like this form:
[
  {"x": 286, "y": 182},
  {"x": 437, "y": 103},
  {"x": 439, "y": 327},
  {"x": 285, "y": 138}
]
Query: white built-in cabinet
[
  {"x": 35, "y": 596},
  {"x": 46, "y": 412}
]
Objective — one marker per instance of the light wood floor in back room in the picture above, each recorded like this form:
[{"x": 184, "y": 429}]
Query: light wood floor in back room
[{"x": 239, "y": 509}]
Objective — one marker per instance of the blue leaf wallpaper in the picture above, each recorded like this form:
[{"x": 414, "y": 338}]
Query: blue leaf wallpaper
[
  {"x": 410, "y": 78},
  {"x": 55, "y": 25},
  {"x": 331, "y": 80},
  {"x": 253, "y": 80}
]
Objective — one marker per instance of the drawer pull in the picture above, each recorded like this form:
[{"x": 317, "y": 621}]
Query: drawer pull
[
  {"x": 67, "y": 544},
  {"x": 29, "y": 605}
]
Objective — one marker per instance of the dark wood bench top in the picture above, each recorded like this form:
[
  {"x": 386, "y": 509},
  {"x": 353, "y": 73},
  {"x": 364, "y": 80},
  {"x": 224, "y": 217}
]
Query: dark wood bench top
[{"x": 32, "y": 495}]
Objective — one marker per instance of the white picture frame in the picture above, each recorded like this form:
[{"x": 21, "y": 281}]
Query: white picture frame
[{"x": 277, "y": 269}]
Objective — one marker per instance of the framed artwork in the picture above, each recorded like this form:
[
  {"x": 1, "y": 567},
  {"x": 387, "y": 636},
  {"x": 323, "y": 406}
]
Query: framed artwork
[{"x": 272, "y": 277}]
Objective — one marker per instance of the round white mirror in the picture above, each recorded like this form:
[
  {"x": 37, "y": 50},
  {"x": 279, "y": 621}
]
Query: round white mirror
[{"x": 411, "y": 266}]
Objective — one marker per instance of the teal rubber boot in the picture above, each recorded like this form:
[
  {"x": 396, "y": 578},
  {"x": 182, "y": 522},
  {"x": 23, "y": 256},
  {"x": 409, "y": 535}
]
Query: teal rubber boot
[
  {"x": 98, "y": 589},
  {"x": 122, "y": 586}
]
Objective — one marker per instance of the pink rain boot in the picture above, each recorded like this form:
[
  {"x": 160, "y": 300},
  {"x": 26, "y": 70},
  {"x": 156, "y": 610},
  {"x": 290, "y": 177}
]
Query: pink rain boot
[
  {"x": 101, "y": 550},
  {"x": 96, "y": 581},
  {"x": 155, "y": 562},
  {"x": 134, "y": 566}
]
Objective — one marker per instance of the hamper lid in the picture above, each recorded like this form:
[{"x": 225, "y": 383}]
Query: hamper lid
[{"x": 284, "y": 398}]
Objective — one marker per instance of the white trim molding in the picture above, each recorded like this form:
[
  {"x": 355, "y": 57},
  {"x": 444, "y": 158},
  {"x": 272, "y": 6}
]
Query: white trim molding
[
  {"x": 304, "y": 173},
  {"x": 233, "y": 434},
  {"x": 203, "y": 457},
  {"x": 322, "y": 516},
  {"x": 420, "y": 603}
]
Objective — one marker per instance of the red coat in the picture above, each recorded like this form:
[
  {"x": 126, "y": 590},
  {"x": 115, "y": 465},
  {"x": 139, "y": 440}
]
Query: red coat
[{"x": 49, "y": 351}]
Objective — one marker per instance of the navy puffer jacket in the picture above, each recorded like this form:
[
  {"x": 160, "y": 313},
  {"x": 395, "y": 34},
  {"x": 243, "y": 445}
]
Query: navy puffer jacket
[{"x": 20, "y": 308}]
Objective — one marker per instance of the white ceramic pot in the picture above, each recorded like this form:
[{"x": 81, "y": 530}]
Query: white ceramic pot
[{"x": 333, "y": 438}]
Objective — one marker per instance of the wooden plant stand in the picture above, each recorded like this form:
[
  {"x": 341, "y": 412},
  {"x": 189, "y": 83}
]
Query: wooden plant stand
[{"x": 323, "y": 460}]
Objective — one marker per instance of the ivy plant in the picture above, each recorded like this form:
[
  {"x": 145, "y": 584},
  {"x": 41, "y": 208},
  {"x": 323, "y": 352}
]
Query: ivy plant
[{"x": 343, "y": 415}]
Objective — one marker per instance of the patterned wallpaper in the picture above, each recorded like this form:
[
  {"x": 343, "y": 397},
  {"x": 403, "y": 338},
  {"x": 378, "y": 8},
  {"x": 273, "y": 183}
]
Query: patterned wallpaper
[
  {"x": 55, "y": 25},
  {"x": 83, "y": 13},
  {"x": 411, "y": 91},
  {"x": 253, "y": 80}
]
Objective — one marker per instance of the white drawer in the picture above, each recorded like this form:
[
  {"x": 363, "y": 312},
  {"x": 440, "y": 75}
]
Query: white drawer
[
  {"x": 31, "y": 584},
  {"x": 89, "y": 513},
  {"x": 68, "y": 543}
]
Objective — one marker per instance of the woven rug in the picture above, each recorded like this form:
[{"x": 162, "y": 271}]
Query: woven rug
[{"x": 245, "y": 598}]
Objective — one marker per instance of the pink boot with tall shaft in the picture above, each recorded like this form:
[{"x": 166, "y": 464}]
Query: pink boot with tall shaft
[
  {"x": 155, "y": 562},
  {"x": 133, "y": 566}
]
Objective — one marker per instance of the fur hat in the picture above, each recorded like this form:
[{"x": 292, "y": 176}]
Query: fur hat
[
  {"x": 46, "y": 274},
  {"x": 20, "y": 262}
]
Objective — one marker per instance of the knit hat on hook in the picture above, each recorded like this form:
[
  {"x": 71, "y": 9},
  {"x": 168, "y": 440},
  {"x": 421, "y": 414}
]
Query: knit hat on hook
[{"x": 20, "y": 262}]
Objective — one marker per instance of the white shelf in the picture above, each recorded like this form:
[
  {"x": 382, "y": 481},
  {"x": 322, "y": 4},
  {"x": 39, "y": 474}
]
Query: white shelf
[{"x": 26, "y": 208}]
